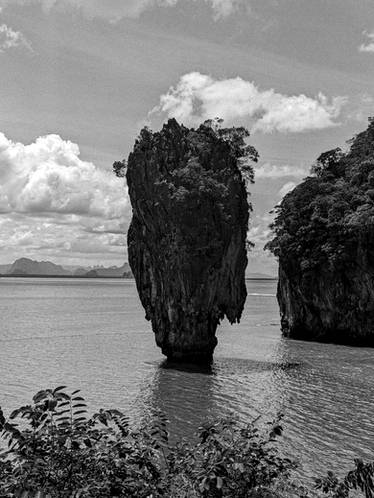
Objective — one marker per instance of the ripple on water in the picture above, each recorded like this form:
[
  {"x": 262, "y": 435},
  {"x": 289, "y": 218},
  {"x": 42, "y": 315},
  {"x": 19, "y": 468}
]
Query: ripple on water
[{"x": 92, "y": 335}]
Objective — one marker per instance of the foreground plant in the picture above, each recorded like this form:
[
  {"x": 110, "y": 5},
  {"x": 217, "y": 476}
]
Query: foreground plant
[{"x": 54, "y": 449}]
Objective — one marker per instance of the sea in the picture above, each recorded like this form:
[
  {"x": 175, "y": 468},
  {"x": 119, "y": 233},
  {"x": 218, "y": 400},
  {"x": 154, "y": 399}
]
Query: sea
[{"x": 91, "y": 334}]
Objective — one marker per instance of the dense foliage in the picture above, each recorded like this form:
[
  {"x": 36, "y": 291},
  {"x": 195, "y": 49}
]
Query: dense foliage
[
  {"x": 321, "y": 223},
  {"x": 233, "y": 136},
  {"x": 54, "y": 449}
]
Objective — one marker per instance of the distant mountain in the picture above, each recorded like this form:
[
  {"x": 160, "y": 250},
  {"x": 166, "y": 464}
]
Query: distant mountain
[
  {"x": 25, "y": 266},
  {"x": 113, "y": 271},
  {"x": 29, "y": 267},
  {"x": 80, "y": 271}
]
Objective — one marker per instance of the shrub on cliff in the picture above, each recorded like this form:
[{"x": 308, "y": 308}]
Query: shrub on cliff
[{"x": 56, "y": 450}]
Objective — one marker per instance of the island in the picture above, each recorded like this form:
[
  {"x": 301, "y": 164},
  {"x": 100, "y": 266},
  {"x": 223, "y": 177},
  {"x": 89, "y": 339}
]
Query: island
[
  {"x": 324, "y": 241},
  {"x": 187, "y": 241}
]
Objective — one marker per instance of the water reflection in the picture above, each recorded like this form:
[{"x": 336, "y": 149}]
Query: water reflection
[
  {"x": 190, "y": 395},
  {"x": 185, "y": 394},
  {"x": 327, "y": 405}
]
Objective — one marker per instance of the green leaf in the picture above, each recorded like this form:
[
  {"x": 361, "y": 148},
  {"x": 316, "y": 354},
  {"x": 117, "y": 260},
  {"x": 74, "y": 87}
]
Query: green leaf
[
  {"x": 2, "y": 419},
  {"x": 63, "y": 411},
  {"x": 60, "y": 396},
  {"x": 40, "y": 396},
  {"x": 65, "y": 403}
]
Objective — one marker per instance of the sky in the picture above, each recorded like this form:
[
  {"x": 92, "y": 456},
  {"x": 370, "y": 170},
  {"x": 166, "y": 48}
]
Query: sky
[{"x": 79, "y": 78}]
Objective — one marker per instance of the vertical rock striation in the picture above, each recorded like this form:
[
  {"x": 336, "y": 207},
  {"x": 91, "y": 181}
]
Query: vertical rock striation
[
  {"x": 187, "y": 238},
  {"x": 324, "y": 240}
]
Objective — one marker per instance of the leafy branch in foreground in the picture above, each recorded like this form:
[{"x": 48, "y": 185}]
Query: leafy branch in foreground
[{"x": 52, "y": 448}]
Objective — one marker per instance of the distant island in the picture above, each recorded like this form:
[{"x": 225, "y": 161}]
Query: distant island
[{"x": 25, "y": 267}]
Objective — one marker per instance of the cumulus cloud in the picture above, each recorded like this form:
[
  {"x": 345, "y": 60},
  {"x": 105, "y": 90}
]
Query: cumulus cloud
[
  {"x": 198, "y": 96},
  {"x": 368, "y": 46},
  {"x": 11, "y": 39},
  {"x": 259, "y": 234},
  {"x": 114, "y": 10},
  {"x": 287, "y": 187},
  {"x": 52, "y": 200},
  {"x": 48, "y": 176},
  {"x": 273, "y": 171},
  {"x": 224, "y": 8}
]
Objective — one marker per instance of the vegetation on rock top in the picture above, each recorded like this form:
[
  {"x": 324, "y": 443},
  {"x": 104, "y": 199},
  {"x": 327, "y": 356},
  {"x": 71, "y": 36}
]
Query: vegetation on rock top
[{"x": 320, "y": 221}]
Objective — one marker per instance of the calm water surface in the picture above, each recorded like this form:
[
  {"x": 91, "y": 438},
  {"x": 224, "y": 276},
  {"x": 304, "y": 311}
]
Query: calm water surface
[{"x": 91, "y": 334}]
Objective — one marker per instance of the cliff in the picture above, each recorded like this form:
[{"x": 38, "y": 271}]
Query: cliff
[
  {"x": 324, "y": 240},
  {"x": 187, "y": 238}
]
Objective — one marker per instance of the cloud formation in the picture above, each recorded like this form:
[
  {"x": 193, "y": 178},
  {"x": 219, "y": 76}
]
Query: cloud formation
[
  {"x": 287, "y": 187},
  {"x": 54, "y": 203},
  {"x": 114, "y": 10},
  {"x": 11, "y": 39},
  {"x": 48, "y": 176},
  {"x": 198, "y": 97},
  {"x": 273, "y": 171},
  {"x": 369, "y": 45}
]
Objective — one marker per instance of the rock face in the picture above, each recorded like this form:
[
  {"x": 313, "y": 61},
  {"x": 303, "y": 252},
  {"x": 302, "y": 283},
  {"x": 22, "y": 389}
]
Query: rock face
[
  {"x": 324, "y": 240},
  {"x": 187, "y": 238}
]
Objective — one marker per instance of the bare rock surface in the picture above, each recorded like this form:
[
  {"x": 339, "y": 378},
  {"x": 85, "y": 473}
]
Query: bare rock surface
[{"x": 187, "y": 238}]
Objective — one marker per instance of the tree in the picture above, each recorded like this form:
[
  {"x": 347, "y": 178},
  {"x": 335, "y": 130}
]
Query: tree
[
  {"x": 235, "y": 136},
  {"x": 119, "y": 168}
]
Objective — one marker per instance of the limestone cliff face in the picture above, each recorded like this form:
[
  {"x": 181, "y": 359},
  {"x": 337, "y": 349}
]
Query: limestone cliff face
[
  {"x": 329, "y": 306},
  {"x": 324, "y": 240},
  {"x": 187, "y": 238}
]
